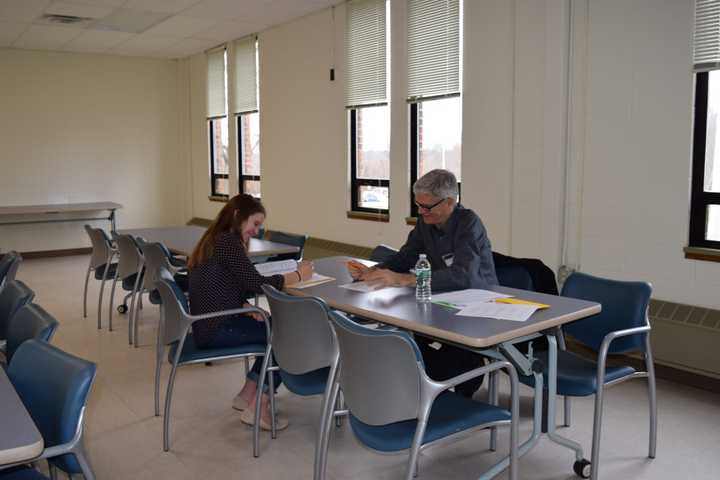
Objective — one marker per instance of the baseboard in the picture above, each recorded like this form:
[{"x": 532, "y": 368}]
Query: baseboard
[
  {"x": 202, "y": 222},
  {"x": 56, "y": 253}
]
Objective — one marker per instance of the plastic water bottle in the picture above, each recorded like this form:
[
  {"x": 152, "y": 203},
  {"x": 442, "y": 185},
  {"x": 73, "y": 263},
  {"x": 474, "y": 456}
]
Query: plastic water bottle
[{"x": 423, "y": 277}]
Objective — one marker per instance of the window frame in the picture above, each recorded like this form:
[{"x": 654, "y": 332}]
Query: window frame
[
  {"x": 415, "y": 151},
  {"x": 700, "y": 200},
  {"x": 213, "y": 174},
  {"x": 355, "y": 182},
  {"x": 241, "y": 153}
]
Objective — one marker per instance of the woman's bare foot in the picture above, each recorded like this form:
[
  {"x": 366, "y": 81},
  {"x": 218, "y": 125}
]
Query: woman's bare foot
[
  {"x": 246, "y": 395},
  {"x": 248, "y": 416}
]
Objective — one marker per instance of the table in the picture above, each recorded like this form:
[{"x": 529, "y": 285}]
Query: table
[
  {"x": 182, "y": 240},
  {"x": 20, "y": 440},
  {"x": 48, "y": 212},
  {"x": 491, "y": 337}
]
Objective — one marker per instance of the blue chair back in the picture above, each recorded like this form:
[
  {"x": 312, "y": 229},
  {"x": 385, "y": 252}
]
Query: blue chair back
[
  {"x": 624, "y": 305},
  {"x": 9, "y": 266},
  {"x": 131, "y": 260},
  {"x": 514, "y": 276},
  {"x": 54, "y": 387},
  {"x": 30, "y": 321},
  {"x": 14, "y": 295},
  {"x": 382, "y": 253},
  {"x": 156, "y": 259},
  {"x": 379, "y": 372},
  {"x": 175, "y": 318},
  {"x": 289, "y": 239}
]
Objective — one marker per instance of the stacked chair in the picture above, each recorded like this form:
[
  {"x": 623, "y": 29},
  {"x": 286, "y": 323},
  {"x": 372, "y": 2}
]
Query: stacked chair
[
  {"x": 9, "y": 265},
  {"x": 31, "y": 321},
  {"x": 289, "y": 239},
  {"x": 13, "y": 296},
  {"x": 103, "y": 253},
  {"x": 129, "y": 272}
]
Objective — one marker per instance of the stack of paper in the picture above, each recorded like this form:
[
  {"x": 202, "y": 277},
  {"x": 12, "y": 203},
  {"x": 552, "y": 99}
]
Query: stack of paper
[
  {"x": 516, "y": 313},
  {"x": 488, "y": 304},
  {"x": 463, "y": 298},
  {"x": 286, "y": 266}
]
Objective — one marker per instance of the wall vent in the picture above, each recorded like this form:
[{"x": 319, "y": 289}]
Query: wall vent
[{"x": 65, "y": 20}]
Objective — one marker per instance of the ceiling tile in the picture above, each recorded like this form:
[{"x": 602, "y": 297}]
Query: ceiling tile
[
  {"x": 130, "y": 21},
  {"x": 46, "y": 37},
  {"x": 10, "y": 31},
  {"x": 145, "y": 45},
  {"x": 163, "y": 6},
  {"x": 78, "y": 10},
  {"x": 96, "y": 41},
  {"x": 181, "y": 26},
  {"x": 187, "y": 47},
  {"x": 22, "y": 10},
  {"x": 224, "y": 31},
  {"x": 104, "y": 3},
  {"x": 225, "y": 9}
]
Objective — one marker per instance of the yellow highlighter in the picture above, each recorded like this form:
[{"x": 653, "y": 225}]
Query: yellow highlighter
[{"x": 517, "y": 301}]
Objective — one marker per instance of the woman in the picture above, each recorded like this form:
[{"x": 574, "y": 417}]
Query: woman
[{"x": 222, "y": 277}]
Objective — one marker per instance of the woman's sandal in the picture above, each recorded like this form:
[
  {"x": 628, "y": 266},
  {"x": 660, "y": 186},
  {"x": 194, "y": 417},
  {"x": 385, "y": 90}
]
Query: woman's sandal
[{"x": 248, "y": 418}]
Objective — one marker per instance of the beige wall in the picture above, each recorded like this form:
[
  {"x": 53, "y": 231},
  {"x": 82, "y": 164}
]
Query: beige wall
[{"x": 80, "y": 127}]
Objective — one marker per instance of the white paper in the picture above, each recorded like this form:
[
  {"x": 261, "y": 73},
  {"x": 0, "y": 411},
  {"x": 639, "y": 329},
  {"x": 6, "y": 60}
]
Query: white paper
[
  {"x": 364, "y": 287},
  {"x": 516, "y": 313},
  {"x": 316, "y": 279},
  {"x": 463, "y": 298},
  {"x": 276, "y": 268}
]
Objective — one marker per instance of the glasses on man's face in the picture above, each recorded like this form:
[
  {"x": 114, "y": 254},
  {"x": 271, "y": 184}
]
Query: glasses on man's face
[{"x": 428, "y": 207}]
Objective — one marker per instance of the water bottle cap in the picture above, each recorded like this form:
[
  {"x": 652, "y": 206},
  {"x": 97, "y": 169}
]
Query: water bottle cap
[{"x": 422, "y": 255}]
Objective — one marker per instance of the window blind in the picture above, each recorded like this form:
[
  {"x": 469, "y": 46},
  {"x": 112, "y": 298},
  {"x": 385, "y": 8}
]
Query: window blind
[
  {"x": 433, "y": 48},
  {"x": 245, "y": 75},
  {"x": 707, "y": 35},
  {"x": 366, "y": 45},
  {"x": 216, "y": 104}
]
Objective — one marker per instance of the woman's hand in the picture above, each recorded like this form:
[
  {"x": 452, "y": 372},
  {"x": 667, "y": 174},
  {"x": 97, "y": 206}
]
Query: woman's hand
[
  {"x": 255, "y": 315},
  {"x": 305, "y": 269}
]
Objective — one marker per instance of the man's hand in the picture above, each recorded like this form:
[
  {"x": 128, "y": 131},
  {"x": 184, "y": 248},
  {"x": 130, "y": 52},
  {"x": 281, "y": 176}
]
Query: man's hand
[
  {"x": 357, "y": 270},
  {"x": 388, "y": 278},
  {"x": 255, "y": 315}
]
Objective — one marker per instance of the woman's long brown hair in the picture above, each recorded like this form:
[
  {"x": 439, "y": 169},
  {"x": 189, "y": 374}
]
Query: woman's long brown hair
[{"x": 234, "y": 213}]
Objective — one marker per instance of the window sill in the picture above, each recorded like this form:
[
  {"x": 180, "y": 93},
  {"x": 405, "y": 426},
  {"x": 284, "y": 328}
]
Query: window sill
[
  {"x": 373, "y": 217},
  {"x": 411, "y": 220},
  {"x": 700, "y": 253},
  {"x": 218, "y": 198}
]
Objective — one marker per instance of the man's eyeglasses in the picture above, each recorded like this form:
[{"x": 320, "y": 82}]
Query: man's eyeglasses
[{"x": 429, "y": 207}]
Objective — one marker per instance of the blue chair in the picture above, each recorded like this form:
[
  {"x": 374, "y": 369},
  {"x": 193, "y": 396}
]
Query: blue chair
[
  {"x": 382, "y": 253},
  {"x": 9, "y": 265},
  {"x": 14, "y": 295},
  {"x": 174, "y": 331},
  {"x": 394, "y": 406},
  {"x": 289, "y": 239},
  {"x": 621, "y": 327},
  {"x": 129, "y": 272},
  {"x": 301, "y": 343},
  {"x": 54, "y": 386},
  {"x": 103, "y": 252},
  {"x": 22, "y": 473},
  {"x": 31, "y": 321}
]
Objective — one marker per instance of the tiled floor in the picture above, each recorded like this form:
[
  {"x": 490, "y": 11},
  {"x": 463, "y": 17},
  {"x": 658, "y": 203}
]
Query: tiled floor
[{"x": 124, "y": 440}]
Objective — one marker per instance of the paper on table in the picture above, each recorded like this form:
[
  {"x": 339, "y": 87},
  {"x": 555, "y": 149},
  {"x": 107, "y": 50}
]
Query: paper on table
[
  {"x": 316, "y": 279},
  {"x": 463, "y": 298},
  {"x": 364, "y": 287},
  {"x": 516, "y": 313},
  {"x": 276, "y": 268}
]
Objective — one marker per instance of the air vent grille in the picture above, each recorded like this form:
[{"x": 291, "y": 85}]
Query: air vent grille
[{"x": 65, "y": 20}]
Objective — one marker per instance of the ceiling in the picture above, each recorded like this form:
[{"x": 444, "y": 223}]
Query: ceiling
[{"x": 147, "y": 28}]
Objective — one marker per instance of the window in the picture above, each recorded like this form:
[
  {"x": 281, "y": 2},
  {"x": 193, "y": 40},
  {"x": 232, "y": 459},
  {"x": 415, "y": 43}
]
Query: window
[
  {"x": 366, "y": 103},
  {"x": 705, "y": 195},
  {"x": 218, "y": 123},
  {"x": 248, "y": 117},
  {"x": 434, "y": 59}
]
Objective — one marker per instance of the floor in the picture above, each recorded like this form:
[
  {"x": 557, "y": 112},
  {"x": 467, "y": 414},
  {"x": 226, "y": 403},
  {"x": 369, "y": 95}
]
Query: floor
[{"x": 124, "y": 438}]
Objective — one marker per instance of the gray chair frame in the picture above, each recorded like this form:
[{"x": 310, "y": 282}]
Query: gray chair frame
[
  {"x": 175, "y": 324},
  {"x": 300, "y": 339},
  {"x": 14, "y": 259},
  {"x": 130, "y": 262},
  {"x": 103, "y": 252},
  {"x": 405, "y": 408}
]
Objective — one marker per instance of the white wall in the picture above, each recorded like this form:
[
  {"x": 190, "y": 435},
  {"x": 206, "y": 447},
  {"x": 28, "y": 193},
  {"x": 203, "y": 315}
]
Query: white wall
[
  {"x": 606, "y": 192},
  {"x": 80, "y": 127}
]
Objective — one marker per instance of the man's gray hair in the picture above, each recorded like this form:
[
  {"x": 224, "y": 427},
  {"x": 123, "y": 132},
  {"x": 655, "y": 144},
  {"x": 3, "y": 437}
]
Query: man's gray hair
[{"x": 439, "y": 183}]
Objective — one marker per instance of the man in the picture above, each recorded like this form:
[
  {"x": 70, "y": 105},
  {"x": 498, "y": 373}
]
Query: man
[{"x": 457, "y": 246}]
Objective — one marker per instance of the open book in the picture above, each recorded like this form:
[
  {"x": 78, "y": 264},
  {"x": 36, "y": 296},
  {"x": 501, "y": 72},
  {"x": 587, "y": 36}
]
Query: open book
[{"x": 286, "y": 266}]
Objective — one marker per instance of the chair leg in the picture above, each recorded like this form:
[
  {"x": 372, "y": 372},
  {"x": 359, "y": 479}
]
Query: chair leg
[
  {"x": 323, "y": 435},
  {"x": 493, "y": 400},
  {"x": 339, "y": 405},
  {"x": 415, "y": 449},
  {"x": 84, "y": 464},
  {"x": 168, "y": 402},
  {"x": 652, "y": 397},
  {"x": 136, "y": 320},
  {"x": 87, "y": 278},
  {"x": 132, "y": 328},
  {"x": 112, "y": 301},
  {"x": 258, "y": 400},
  {"x": 159, "y": 354},
  {"x": 271, "y": 394},
  {"x": 597, "y": 417},
  {"x": 100, "y": 297},
  {"x": 566, "y": 411}
]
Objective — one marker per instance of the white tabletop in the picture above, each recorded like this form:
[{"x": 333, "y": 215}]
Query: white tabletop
[
  {"x": 398, "y": 307},
  {"x": 182, "y": 240},
  {"x": 58, "y": 208},
  {"x": 20, "y": 440}
]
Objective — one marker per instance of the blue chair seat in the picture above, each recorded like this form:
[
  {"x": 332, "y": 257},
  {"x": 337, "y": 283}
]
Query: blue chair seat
[
  {"x": 155, "y": 297},
  {"x": 450, "y": 414},
  {"x": 577, "y": 377},
  {"x": 128, "y": 283},
  {"x": 306, "y": 384},
  {"x": 21, "y": 473},
  {"x": 110, "y": 271},
  {"x": 191, "y": 352}
]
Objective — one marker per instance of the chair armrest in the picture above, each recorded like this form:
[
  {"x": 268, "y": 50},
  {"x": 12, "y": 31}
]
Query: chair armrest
[
  {"x": 621, "y": 333},
  {"x": 457, "y": 380},
  {"x": 224, "y": 313}
]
